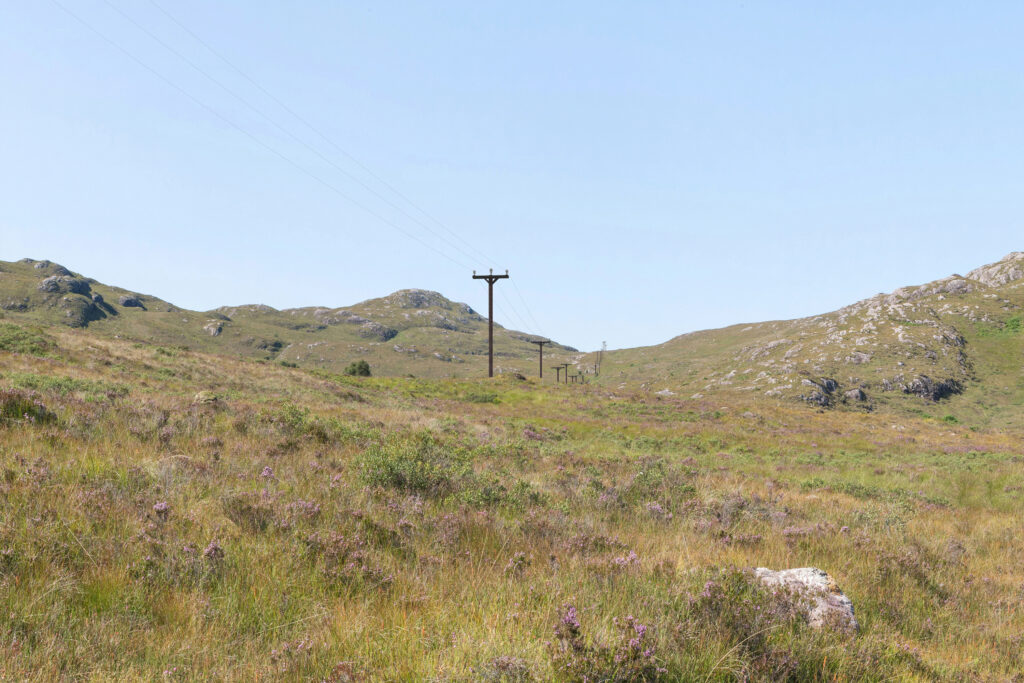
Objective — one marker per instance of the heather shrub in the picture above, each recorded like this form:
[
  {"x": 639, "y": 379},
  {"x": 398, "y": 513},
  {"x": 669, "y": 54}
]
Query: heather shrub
[
  {"x": 629, "y": 658},
  {"x": 16, "y": 406},
  {"x": 248, "y": 510},
  {"x": 765, "y": 633},
  {"x": 65, "y": 386}
]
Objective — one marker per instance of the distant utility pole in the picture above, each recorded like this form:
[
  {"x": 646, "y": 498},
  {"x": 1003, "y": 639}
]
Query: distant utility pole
[
  {"x": 540, "y": 350},
  {"x": 600, "y": 357},
  {"x": 491, "y": 279},
  {"x": 558, "y": 372}
]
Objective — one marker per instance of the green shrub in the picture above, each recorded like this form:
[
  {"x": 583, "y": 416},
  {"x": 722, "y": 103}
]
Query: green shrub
[
  {"x": 477, "y": 396},
  {"x": 65, "y": 385},
  {"x": 359, "y": 368},
  {"x": 17, "y": 339},
  {"x": 419, "y": 463}
]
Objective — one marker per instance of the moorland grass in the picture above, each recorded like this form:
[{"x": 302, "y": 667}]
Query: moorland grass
[{"x": 292, "y": 525}]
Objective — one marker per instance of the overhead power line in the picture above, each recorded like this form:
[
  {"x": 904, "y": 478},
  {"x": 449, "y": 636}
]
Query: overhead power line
[
  {"x": 255, "y": 139},
  {"x": 298, "y": 117},
  {"x": 295, "y": 138},
  {"x": 525, "y": 305},
  {"x": 528, "y": 327}
]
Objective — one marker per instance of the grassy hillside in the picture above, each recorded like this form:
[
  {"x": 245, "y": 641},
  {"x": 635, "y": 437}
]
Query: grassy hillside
[
  {"x": 411, "y": 332},
  {"x": 954, "y": 346},
  {"x": 168, "y": 514}
]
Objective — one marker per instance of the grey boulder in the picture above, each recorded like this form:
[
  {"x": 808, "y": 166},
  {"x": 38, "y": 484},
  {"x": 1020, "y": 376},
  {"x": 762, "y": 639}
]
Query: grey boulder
[{"x": 824, "y": 604}]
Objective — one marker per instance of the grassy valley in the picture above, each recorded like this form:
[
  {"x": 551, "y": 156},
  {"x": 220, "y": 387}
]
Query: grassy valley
[{"x": 180, "y": 505}]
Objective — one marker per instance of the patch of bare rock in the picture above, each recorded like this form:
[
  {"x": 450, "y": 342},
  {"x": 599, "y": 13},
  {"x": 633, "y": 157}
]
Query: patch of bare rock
[{"x": 824, "y": 604}]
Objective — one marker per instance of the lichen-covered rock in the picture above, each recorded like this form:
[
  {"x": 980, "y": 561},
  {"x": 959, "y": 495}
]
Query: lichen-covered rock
[
  {"x": 420, "y": 298},
  {"x": 63, "y": 284},
  {"x": 54, "y": 268},
  {"x": 858, "y": 358},
  {"x": 1009, "y": 269},
  {"x": 817, "y": 398},
  {"x": 372, "y": 330},
  {"x": 213, "y": 328},
  {"x": 825, "y": 604},
  {"x": 129, "y": 301},
  {"x": 823, "y": 390},
  {"x": 855, "y": 395},
  {"x": 80, "y": 311},
  {"x": 927, "y": 388}
]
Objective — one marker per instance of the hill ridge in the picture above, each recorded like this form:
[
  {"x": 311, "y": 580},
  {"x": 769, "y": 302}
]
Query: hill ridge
[
  {"x": 409, "y": 331},
  {"x": 933, "y": 341}
]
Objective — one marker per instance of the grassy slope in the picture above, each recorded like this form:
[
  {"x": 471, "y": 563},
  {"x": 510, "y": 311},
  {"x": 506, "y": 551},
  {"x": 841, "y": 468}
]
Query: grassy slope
[
  {"x": 957, "y": 328},
  {"x": 310, "y": 337},
  {"x": 415, "y": 529}
]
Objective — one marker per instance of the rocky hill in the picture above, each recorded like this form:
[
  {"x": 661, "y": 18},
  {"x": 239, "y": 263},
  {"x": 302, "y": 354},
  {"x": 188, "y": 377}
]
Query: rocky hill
[
  {"x": 959, "y": 336},
  {"x": 411, "y": 331}
]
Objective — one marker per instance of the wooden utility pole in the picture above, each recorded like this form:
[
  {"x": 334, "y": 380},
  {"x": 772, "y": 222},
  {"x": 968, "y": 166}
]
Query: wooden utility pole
[
  {"x": 559, "y": 368},
  {"x": 491, "y": 279},
  {"x": 565, "y": 367},
  {"x": 540, "y": 350}
]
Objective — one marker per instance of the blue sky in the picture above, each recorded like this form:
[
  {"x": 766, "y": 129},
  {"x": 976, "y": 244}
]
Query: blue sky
[{"x": 643, "y": 169}]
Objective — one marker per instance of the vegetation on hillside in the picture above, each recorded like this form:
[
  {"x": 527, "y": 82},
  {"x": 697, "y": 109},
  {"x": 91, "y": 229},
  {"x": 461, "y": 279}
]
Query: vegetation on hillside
[
  {"x": 410, "y": 332},
  {"x": 953, "y": 345},
  {"x": 173, "y": 515}
]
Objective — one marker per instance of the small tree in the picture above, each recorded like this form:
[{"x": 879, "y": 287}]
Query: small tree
[{"x": 358, "y": 368}]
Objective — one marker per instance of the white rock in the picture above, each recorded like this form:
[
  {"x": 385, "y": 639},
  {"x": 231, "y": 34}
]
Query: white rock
[{"x": 827, "y": 605}]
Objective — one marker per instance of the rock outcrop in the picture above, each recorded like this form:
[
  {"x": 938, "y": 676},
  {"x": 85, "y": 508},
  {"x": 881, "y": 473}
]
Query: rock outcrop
[
  {"x": 933, "y": 390},
  {"x": 825, "y": 605},
  {"x": 855, "y": 395},
  {"x": 63, "y": 284},
  {"x": 1009, "y": 269},
  {"x": 129, "y": 301}
]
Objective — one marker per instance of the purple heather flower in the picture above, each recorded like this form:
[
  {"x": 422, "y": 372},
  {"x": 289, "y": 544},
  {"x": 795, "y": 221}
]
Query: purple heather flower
[
  {"x": 267, "y": 473},
  {"x": 213, "y": 552},
  {"x": 629, "y": 560},
  {"x": 570, "y": 618},
  {"x": 161, "y": 509}
]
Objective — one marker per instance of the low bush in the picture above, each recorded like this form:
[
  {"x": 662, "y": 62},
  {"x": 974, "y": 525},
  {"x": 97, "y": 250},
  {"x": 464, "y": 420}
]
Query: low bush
[
  {"x": 419, "y": 464},
  {"x": 359, "y": 368},
  {"x": 16, "y": 406},
  {"x": 17, "y": 339}
]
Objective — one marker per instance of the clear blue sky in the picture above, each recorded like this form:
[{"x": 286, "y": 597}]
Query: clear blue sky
[{"x": 643, "y": 168}]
